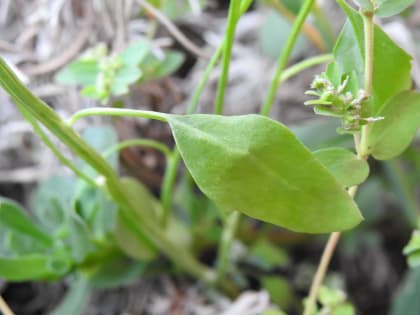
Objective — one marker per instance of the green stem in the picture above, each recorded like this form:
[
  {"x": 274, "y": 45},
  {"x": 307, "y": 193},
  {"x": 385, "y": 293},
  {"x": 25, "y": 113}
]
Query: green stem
[
  {"x": 141, "y": 143},
  {"x": 167, "y": 185},
  {"x": 111, "y": 111},
  {"x": 231, "y": 225},
  {"x": 43, "y": 136},
  {"x": 362, "y": 153},
  {"x": 284, "y": 57},
  {"x": 303, "y": 65},
  {"x": 368, "y": 29},
  {"x": 233, "y": 18}
]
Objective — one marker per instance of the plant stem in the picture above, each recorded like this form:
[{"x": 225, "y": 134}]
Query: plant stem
[
  {"x": 284, "y": 57},
  {"x": 321, "y": 271},
  {"x": 368, "y": 29},
  {"x": 139, "y": 142},
  {"x": 167, "y": 185},
  {"x": 303, "y": 65},
  {"x": 4, "y": 308},
  {"x": 323, "y": 24},
  {"x": 112, "y": 111},
  {"x": 43, "y": 136},
  {"x": 233, "y": 18},
  {"x": 362, "y": 153},
  {"x": 229, "y": 231},
  {"x": 307, "y": 29}
]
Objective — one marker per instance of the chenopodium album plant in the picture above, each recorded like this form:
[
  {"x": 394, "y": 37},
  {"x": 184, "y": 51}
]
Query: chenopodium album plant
[{"x": 246, "y": 164}]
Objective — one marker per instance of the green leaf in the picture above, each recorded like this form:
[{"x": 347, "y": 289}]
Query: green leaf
[
  {"x": 390, "y": 136},
  {"x": 79, "y": 72},
  {"x": 134, "y": 244},
  {"x": 406, "y": 301},
  {"x": 76, "y": 298},
  {"x": 134, "y": 54},
  {"x": 344, "y": 165},
  {"x": 155, "y": 68},
  {"x": 389, "y": 78},
  {"x": 279, "y": 289},
  {"x": 81, "y": 244},
  {"x": 345, "y": 309},
  {"x": 116, "y": 273},
  {"x": 14, "y": 217},
  {"x": 257, "y": 166},
  {"x": 392, "y": 7},
  {"x": 53, "y": 198},
  {"x": 268, "y": 255},
  {"x": 30, "y": 267}
]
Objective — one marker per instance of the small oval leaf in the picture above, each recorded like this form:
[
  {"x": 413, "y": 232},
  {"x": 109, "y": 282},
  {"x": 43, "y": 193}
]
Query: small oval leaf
[
  {"x": 344, "y": 165},
  {"x": 392, "y": 7},
  {"x": 257, "y": 166},
  {"x": 390, "y": 136}
]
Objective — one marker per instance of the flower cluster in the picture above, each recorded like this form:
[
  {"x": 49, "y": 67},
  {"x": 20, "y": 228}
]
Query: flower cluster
[{"x": 336, "y": 102}]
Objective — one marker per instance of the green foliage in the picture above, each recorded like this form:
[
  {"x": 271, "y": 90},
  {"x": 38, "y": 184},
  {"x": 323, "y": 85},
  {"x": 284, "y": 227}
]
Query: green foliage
[
  {"x": 389, "y": 78},
  {"x": 333, "y": 302},
  {"x": 344, "y": 165},
  {"x": 384, "y": 8},
  {"x": 262, "y": 170},
  {"x": 389, "y": 137},
  {"x": 104, "y": 75},
  {"x": 412, "y": 249}
]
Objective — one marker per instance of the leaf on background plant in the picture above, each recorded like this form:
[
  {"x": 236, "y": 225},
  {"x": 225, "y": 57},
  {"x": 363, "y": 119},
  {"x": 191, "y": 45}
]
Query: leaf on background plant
[
  {"x": 390, "y": 136},
  {"x": 155, "y": 68},
  {"x": 178, "y": 8},
  {"x": 80, "y": 238},
  {"x": 79, "y": 72},
  {"x": 268, "y": 256},
  {"x": 274, "y": 33},
  {"x": 392, "y": 7},
  {"x": 255, "y": 165},
  {"x": 273, "y": 312},
  {"x": 134, "y": 244},
  {"x": 76, "y": 299},
  {"x": 412, "y": 250},
  {"x": 30, "y": 267},
  {"x": 116, "y": 273},
  {"x": 321, "y": 133},
  {"x": 406, "y": 301},
  {"x": 279, "y": 289},
  {"x": 389, "y": 78},
  {"x": 344, "y": 165},
  {"x": 53, "y": 199},
  {"x": 15, "y": 218}
]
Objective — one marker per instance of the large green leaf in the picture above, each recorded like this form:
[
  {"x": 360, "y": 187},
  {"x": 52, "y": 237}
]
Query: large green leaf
[
  {"x": 344, "y": 165},
  {"x": 389, "y": 77},
  {"x": 389, "y": 137},
  {"x": 14, "y": 217},
  {"x": 392, "y": 7},
  {"x": 257, "y": 166}
]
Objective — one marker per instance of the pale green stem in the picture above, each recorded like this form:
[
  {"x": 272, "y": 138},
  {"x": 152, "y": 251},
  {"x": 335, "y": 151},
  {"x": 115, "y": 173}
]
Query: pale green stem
[
  {"x": 362, "y": 153},
  {"x": 111, "y": 111},
  {"x": 284, "y": 57},
  {"x": 231, "y": 223},
  {"x": 233, "y": 18},
  {"x": 139, "y": 143},
  {"x": 303, "y": 65},
  {"x": 43, "y": 136}
]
